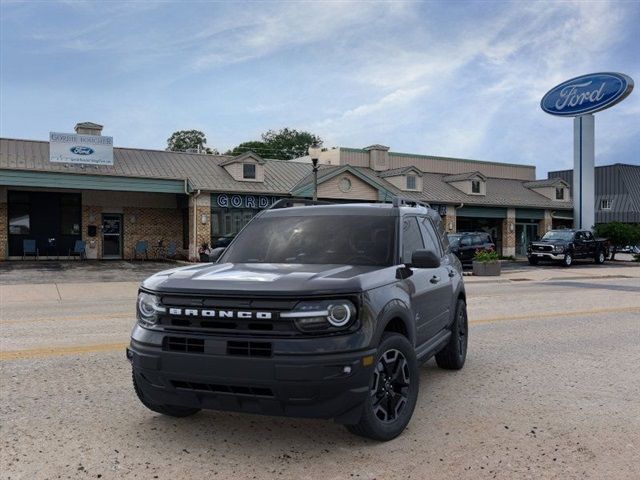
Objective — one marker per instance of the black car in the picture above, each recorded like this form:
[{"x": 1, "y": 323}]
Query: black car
[
  {"x": 314, "y": 311},
  {"x": 564, "y": 246},
  {"x": 465, "y": 244}
]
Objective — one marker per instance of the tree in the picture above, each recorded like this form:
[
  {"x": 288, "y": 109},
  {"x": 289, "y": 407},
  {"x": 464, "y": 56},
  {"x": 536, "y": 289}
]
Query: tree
[
  {"x": 619, "y": 234},
  {"x": 283, "y": 144},
  {"x": 289, "y": 143},
  {"x": 184, "y": 140},
  {"x": 255, "y": 146}
]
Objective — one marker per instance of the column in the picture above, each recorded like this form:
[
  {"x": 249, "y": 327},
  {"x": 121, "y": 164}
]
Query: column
[{"x": 509, "y": 233}]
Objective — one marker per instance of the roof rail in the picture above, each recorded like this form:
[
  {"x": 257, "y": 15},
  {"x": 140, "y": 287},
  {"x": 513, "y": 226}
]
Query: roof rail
[
  {"x": 403, "y": 201},
  {"x": 297, "y": 202}
]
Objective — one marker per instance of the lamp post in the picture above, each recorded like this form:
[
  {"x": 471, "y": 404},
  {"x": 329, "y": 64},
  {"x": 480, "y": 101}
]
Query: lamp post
[{"x": 314, "y": 153}]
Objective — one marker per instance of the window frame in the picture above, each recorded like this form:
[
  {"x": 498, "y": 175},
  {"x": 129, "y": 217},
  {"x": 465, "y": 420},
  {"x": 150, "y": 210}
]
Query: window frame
[
  {"x": 478, "y": 183},
  {"x": 414, "y": 180},
  {"x": 605, "y": 204},
  {"x": 559, "y": 193},
  {"x": 429, "y": 230},
  {"x": 244, "y": 171}
]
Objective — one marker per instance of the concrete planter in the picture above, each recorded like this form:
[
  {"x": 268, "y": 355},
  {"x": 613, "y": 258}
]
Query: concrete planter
[{"x": 486, "y": 269}]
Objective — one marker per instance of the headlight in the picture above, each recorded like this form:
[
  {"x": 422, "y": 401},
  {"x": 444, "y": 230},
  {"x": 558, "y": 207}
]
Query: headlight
[
  {"x": 148, "y": 309},
  {"x": 559, "y": 248},
  {"x": 322, "y": 316}
]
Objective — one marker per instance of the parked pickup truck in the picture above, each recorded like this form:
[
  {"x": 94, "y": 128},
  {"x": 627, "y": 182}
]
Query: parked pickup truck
[{"x": 565, "y": 246}]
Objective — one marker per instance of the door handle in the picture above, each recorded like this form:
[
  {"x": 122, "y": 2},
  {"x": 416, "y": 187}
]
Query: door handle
[{"x": 435, "y": 279}]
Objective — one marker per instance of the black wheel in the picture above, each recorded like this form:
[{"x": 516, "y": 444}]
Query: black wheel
[
  {"x": 393, "y": 390},
  {"x": 453, "y": 356},
  {"x": 568, "y": 260},
  {"x": 600, "y": 257},
  {"x": 533, "y": 260},
  {"x": 169, "y": 410}
]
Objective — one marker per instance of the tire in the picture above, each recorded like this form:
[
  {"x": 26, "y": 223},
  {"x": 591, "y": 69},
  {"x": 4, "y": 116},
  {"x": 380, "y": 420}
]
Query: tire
[
  {"x": 169, "y": 410},
  {"x": 532, "y": 260},
  {"x": 600, "y": 257},
  {"x": 453, "y": 356},
  {"x": 568, "y": 260},
  {"x": 393, "y": 390}
]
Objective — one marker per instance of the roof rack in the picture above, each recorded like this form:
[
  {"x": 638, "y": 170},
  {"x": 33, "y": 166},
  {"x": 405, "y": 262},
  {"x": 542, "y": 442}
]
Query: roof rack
[
  {"x": 408, "y": 202},
  {"x": 297, "y": 202}
]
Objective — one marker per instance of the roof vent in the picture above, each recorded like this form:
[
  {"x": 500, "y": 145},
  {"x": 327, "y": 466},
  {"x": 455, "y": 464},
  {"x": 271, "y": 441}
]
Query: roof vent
[{"x": 88, "y": 128}]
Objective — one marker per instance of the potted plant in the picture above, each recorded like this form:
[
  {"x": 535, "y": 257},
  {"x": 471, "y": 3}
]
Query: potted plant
[
  {"x": 486, "y": 263},
  {"x": 204, "y": 252}
]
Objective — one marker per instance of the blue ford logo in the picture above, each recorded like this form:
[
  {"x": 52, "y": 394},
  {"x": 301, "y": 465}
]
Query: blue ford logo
[
  {"x": 82, "y": 150},
  {"x": 587, "y": 94}
]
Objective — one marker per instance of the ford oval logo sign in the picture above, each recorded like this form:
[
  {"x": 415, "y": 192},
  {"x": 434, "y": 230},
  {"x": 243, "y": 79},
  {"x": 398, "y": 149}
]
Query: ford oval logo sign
[
  {"x": 587, "y": 94},
  {"x": 81, "y": 150}
]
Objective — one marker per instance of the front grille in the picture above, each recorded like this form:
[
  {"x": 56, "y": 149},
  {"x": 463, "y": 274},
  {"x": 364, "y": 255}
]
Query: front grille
[
  {"x": 274, "y": 326},
  {"x": 230, "y": 389},
  {"x": 183, "y": 344},
  {"x": 543, "y": 248},
  {"x": 249, "y": 349}
]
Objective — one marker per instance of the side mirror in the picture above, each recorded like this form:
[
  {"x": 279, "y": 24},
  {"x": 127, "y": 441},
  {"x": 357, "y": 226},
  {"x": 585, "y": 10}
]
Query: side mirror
[
  {"x": 424, "y": 259},
  {"x": 216, "y": 253}
]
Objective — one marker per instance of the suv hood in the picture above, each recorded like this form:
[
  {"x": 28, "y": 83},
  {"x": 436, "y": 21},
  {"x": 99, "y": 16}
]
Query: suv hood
[{"x": 270, "y": 279}]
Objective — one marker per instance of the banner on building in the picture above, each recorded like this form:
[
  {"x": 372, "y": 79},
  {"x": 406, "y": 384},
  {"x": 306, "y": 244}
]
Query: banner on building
[{"x": 80, "y": 149}]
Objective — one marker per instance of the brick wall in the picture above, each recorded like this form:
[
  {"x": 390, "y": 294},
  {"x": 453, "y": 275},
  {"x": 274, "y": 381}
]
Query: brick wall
[
  {"x": 449, "y": 220},
  {"x": 509, "y": 233},
  {"x": 202, "y": 207},
  {"x": 545, "y": 224},
  {"x": 152, "y": 225}
]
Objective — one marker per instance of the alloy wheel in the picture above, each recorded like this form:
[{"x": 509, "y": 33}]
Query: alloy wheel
[{"x": 390, "y": 389}]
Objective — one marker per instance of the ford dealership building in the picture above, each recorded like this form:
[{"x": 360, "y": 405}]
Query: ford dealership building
[{"x": 79, "y": 187}]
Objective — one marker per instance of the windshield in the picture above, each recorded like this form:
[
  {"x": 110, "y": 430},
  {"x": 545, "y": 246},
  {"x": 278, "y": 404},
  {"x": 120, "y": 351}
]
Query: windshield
[
  {"x": 454, "y": 239},
  {"x": 558, "y": 235},
  {"x": 317, "y": 239}
]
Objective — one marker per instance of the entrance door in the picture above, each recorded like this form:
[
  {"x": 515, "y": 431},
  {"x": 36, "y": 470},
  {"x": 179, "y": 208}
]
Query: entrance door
[
  {"x": 525, "y": 233},
  {"x": 111, "y": 235}
]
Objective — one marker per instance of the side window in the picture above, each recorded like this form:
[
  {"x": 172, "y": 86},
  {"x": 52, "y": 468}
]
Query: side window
[
  {"x": 465, "y": 241},
  {"x": 477, "y": 240},
  {"x": 431, "y": 241},
  {"x": 411, "y": 238},
  {"x": 487, "y": 239}
]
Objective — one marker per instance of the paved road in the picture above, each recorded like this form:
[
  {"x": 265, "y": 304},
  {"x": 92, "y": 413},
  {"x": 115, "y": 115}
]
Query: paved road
[{"x": 551, "y": 389}]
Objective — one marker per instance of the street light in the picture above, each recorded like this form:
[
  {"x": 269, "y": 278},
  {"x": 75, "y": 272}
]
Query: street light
[{"x": 314, "y": 153}]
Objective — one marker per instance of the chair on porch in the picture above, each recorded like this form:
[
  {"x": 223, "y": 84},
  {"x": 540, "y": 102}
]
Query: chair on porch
[
  {"x": 79, "y": 249},
  {"x": 172, "y": 249},
  {"x": 141, "y": 248},
  {"x": 29, "y": 248}
]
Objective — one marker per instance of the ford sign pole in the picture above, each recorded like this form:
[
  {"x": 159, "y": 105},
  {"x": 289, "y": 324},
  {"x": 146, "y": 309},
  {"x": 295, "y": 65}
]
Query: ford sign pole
[{"x": 580, "y": 97}]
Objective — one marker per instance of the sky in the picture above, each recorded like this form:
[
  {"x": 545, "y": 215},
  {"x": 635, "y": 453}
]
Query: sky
[{"x": 451, "y": 78}]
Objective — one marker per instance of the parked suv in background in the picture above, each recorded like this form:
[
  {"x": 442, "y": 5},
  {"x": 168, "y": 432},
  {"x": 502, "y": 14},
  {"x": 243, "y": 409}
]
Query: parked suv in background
[
  {"x": 322, "y": 311},
  {"x": 465, "y": 244}
]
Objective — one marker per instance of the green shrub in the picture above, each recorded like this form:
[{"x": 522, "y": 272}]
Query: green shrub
[{"x": 486, "y": 256}]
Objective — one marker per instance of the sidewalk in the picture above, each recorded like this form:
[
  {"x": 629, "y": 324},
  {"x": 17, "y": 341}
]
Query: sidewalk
[{"x": 579, "y": 271}]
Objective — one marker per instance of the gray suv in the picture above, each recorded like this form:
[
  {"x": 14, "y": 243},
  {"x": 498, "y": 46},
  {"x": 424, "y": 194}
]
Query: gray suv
[{"x": 322, "y": 311}]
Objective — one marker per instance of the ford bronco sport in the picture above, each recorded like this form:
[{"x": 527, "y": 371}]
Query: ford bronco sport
[{"x": 321, "y": 311}]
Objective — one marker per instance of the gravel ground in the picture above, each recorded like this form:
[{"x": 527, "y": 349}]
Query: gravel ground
[{"x": 550, "y": 390}]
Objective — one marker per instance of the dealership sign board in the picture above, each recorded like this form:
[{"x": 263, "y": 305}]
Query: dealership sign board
[
  {"x": 80, "y": 149},
  {"x": 587, "y": 94},
  {"x": 579, "y": 98}
]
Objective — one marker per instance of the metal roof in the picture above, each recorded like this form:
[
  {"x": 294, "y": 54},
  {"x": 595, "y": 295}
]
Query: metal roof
[
  {"x": 463, "y": 176},
  {"x": 547, "y": 182},
  {"x": 202, "y": 171},
  {"x": 394, "y": 172}
]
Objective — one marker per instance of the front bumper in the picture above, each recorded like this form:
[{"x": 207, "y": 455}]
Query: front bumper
[
  {"x": 547, "y": 255},
  {"x": 320, "y": 385}
]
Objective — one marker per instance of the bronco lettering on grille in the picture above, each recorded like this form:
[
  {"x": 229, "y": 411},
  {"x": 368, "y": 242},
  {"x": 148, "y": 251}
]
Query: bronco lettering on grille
[{"x": 239, "y": 314}]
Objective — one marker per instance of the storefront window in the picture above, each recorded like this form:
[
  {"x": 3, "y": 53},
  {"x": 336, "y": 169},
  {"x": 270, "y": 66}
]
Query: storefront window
[
  {"x": 70, "y": 214},
  {"x": 19, "y": 221},
  {"x": 228, "y": 221}
]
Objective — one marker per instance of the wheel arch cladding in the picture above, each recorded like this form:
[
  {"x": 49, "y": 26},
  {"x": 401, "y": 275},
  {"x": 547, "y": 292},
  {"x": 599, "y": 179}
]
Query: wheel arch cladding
[{"x": 396, "y": 317}]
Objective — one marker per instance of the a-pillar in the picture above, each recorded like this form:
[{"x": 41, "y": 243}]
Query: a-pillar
[
  {"x": 509, "y": 234},
  {"x": 199, "y": 223}
]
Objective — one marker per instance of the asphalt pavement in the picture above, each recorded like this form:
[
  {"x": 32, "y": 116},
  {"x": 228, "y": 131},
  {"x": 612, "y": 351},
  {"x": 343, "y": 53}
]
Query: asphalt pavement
[{"x": 551, "y": 389}]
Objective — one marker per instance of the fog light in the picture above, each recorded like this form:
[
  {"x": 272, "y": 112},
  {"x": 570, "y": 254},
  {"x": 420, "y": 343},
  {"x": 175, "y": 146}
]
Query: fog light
[
  {"x": 368, "y": 360},
  {"x": 346, "y": 369}
]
